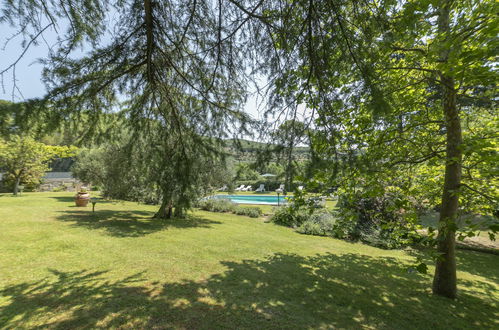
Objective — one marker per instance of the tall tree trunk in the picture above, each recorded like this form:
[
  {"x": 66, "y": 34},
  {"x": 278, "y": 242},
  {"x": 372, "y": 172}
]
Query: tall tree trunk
[
  {"x": 179, "y": 212},
  {"x": 444, "y": 281},
  {"x": 288, "y": 180},
  {"x": 165, "y": 210},
  {"x": 16, "y": 185}
]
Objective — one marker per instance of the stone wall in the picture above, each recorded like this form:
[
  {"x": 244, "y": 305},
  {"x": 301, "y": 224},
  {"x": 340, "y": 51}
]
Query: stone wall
[
  {"x": 59, "y": 185},
  {"x": 53, "y": 181}
]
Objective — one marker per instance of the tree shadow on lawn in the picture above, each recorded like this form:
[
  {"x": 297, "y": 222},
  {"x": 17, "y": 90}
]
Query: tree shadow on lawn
[
  {"x": 282, "y": 291},
  {"x": 64, "y": 199},
  {"x": 71, "y": 199},
  {"x": 129, "y": 223},
  {"x": 430, "y": 219},
  {"x": 473, "y": 262}
]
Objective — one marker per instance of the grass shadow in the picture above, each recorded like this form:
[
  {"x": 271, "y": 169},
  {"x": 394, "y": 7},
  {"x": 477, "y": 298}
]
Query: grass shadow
[
  {"x": 430, "y": 219},
  {"x": 473, "y": 262},
  {"x": 129, "y": 223},
  {"x": 71, "y": 199},
  {"x": 280, "y": 292},
  {"x": 64, "y": 199}
]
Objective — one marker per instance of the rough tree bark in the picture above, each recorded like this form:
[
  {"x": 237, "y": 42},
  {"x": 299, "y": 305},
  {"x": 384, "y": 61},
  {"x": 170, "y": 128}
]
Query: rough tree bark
[
  {"x": 444, "y": 281},
  {"x": 179, "y": 212},
  {"x": 165, "y": 210},
  {"x": 16, "y": 185}
]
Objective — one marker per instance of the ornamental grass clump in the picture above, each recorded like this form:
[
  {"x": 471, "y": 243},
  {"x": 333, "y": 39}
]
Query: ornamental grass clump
[
  {"x": 217, "y": 205},
  {"x": 226, "y": 206},
  {"x": 320, "y": 223},
  {"x": 290, "y": 216},
  {"x": 252, "y": 212}
]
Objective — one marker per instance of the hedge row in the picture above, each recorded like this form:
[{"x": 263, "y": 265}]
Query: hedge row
[{"x": 226, "y": 206}]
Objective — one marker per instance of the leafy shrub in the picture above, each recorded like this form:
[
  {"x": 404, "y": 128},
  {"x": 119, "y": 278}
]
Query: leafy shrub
[
  {"x": 225, "y": 205},
  {"x": 290, "y": 216},
  {"x": 385, "y": 220},
  {"x": 29, "y": 186},
  {"x": 217, "y": 205},
  {"x": 252, "y": 212},
  {"x": 59, "y": 188},
  {"x": 321, "y": 223},
  {"x": 112, "y": 169},
  {"x": 96, "y": 187}
]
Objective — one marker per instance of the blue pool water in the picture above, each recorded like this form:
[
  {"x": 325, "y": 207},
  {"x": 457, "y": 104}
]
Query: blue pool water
[{"x": 254, "y": 199}]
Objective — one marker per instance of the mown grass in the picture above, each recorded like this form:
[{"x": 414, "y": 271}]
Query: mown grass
[{"x": 63, "y": 267}]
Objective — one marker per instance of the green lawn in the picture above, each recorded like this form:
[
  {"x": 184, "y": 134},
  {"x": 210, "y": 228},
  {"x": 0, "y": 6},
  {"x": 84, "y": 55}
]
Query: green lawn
[{"x": 62, "y": 267}]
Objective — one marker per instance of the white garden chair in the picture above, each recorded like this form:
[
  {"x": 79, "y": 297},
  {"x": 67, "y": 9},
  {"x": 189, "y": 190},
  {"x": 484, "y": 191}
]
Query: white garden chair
[{"x": 261, "y": 188}]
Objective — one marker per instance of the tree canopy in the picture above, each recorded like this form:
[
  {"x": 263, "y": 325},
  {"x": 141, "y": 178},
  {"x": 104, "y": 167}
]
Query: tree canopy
[
  {"x": 390, "y": 83},
  {"x": 25, "y": 160}
]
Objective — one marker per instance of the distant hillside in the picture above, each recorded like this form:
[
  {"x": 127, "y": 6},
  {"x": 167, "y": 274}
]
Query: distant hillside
[
  {"x": 246, "y": 150},
  {"x": 61, "y": 164}
]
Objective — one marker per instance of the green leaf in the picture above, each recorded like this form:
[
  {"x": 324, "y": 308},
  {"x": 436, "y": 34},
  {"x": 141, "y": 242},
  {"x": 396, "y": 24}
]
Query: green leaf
[{"x": 422, "y": 268}]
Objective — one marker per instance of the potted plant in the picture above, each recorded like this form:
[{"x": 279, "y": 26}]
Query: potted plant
[{"x": 82, "y": 197}]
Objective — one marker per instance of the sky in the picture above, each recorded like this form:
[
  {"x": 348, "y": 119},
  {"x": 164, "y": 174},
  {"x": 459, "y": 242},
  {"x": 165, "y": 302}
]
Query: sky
[
  {"x": 28, "y": 69},
  {"x": 29, "y": 85}
]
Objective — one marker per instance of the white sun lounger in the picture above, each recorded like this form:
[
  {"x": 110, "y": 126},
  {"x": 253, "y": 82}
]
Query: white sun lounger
[{"x": 240, "y": 188}]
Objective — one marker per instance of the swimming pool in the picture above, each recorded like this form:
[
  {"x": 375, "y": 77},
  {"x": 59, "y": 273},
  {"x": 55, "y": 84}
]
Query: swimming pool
[{"x": 254, "y": 199}]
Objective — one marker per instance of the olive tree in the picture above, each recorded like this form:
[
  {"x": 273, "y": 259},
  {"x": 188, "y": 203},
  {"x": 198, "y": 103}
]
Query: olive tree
[{"x": 25, "y": 160}]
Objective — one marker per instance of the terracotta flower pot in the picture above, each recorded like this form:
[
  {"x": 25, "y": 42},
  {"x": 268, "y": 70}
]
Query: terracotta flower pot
[{"x": 82, "y": 198}]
